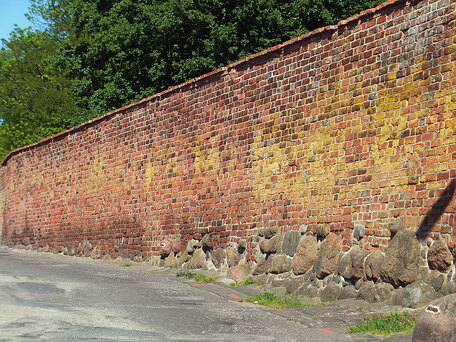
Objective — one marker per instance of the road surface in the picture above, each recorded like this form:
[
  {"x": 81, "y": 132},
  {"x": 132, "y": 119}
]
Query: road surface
[{"x": 49, "y": 297}]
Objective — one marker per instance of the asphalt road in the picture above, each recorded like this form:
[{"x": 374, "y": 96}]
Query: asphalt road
[{"x": 48, "y": 297}]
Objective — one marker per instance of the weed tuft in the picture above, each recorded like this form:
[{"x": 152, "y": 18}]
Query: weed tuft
[
  {"x": 197, "y": 276},
  {"x": 276, "y": 302},
  {"x": 248, "y": 281},
  {"x": 385, "y": 325}
]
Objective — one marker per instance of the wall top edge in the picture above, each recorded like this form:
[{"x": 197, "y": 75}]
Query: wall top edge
[{"x": 220, "y": 71}]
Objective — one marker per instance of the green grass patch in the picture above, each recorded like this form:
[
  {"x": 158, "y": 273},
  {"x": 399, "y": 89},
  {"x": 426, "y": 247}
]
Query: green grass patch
[
  {"x": 197, "y": 276},
  {"x": 125, "y": 265},
  {"x": 248, "y": 281},
  {"x": 386, "y": 325},
  {"x": 276, "y": 302}
]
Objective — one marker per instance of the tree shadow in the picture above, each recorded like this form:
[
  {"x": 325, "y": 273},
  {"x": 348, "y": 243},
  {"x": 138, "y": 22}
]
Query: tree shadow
[{"x": 436, "y": 211}]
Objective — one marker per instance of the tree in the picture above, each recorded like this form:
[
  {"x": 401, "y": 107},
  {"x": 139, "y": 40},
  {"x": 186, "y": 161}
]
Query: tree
[
  {"x": 125, "y": 50},
  {"x": 36, "y": 99}
]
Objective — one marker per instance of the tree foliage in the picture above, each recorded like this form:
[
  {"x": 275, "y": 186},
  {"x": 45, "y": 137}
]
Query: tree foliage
[
  {"x": 124, "y": 50},
  {"x": 35, "y": 96},
  {"x": 91, "y": 56}
]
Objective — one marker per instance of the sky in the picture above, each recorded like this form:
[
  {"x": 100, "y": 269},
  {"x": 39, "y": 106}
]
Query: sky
[{"x": 12, "y": 12}]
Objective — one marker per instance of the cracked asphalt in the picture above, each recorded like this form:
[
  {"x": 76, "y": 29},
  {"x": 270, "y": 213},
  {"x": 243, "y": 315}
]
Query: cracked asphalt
[{"x": 52, "y": 297}]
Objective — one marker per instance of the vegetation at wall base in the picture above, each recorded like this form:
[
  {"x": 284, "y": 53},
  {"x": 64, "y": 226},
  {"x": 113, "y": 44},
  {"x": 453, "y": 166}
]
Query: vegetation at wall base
[
  {"x": 248, "y": 281},
  {"x": 197, "y": 276},
  {"x": 274, "y": 301},
  {"x": 386, "y": 325}
]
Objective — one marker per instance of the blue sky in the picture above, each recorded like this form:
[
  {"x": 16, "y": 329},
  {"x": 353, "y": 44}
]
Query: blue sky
[{"x": 12, "y": 12}]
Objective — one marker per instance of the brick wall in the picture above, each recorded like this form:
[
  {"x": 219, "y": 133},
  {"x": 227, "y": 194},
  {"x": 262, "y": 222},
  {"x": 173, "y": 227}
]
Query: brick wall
[{"x": 349, "y": 125}]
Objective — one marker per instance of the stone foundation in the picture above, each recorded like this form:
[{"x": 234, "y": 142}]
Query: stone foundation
[{"x": 407, "y": 273}]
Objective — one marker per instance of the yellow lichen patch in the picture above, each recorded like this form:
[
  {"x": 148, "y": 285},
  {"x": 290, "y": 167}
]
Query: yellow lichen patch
[
  {"x": 207, "y": 159},
  {"x": 447, "y": 96},
  {"x": 380, "y": 141},
  {"x": 291, "y": 170},
  {"x": 163, "y": 169},
  {"x": 149, "y": 174},
  {"x": 97, "y": 175}
]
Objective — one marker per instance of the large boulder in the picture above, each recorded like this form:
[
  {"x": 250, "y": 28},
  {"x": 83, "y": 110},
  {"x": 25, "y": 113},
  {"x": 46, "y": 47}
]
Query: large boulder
[
  {"x": 267, "y": 232},
  {"x": 417, "y": 294},
  {"x": 260, "y": 267},
  {"x": 439, "y": 256},
  {"x": 402, "y": 256},
  {"x": 348, "y": 292},
  {"x": 207, "y": 242},
  {"x": 367, "y": 292},
  {"x": 271, "y": 245},
  {"x": 218, "y": 255},
  {"x": 165, "y": 249},
  {"x": 290, "y": 242},
  {"x": 306, "y": 255},
  {"x": 448, "y": 289},
  {"x": 176, "y": 246},
  {"x": 327, "y": 256},
  {"x": 87, "y": 249},
  {"x": 374, "y": 293},
  {"x": 198, "y": 259},
  {"x": 322, "y": 230},
  {"x": 350, "y": 266},
  {"x": 184, "y": 257},
  {"x": 171, "y": 261},
  {"x": 396, "y": 226},
  {"x": 192, "y": 245},
  {"x": 293, "y": 284},
  {"x": 280, "y": 264},
  {"x": 330, "y": 293},
  {"x": 239, "y": 273},
  {"x": 232, "y": 256},
  {"x": 383, "y": 292},
  {"x": 437, "y": 322},
  {"x": 372, "y": 265},
  {"x": 437, "y": 280}
]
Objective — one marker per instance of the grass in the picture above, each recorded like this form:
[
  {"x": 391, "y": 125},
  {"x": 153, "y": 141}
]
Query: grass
[
  {"x": 248, "y": 281},
  {"x": 125, "y": 265},
  {"x": 292, "y": 320},
  {"x": 385, "y": 325},
  {"x": 276, "y": 302},
  {"x": 197, "y": 276}
]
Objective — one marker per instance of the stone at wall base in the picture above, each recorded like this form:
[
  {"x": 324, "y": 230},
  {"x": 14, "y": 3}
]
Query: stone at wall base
[
  {"x": 327, "y": 256},
  {"x": 437, "y": 322},
  {"x": 239, "y": 273},
  {"x": 293, "y": 284},
  {"x": 402, "y": 256},
  {"x": 348, "y": 292},
  {"x": 198, "y": 259},
  {"x": 330, "y": 293},
  {"x": 448, "y": 289},
  {"x": 417, "y": 294}
]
